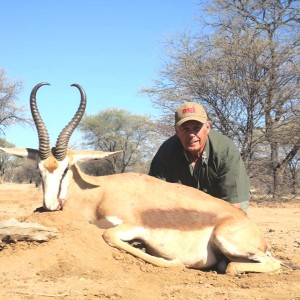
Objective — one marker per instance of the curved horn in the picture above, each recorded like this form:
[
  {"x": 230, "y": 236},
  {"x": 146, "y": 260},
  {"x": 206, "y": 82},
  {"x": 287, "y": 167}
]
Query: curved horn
[
  {"x": 44, "y": 141},
  {"x": 61, "y": 147}
]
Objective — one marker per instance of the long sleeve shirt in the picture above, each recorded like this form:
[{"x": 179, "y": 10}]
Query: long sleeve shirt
[{"x": 221, "y": 174}]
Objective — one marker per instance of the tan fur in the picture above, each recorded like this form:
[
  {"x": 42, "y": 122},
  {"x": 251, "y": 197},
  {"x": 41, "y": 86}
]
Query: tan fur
[
  {"x": 180, "y": 226},
  {"x": 51, "y": 164}
]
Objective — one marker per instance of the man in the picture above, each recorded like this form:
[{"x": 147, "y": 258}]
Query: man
[{"x": 202, "y": 158}]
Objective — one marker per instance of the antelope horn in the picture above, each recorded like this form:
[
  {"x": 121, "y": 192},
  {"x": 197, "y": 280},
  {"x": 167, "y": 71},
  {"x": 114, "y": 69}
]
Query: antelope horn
[
  {"x": 61, "y": 147},
  {"x": 44, "y": 141}
]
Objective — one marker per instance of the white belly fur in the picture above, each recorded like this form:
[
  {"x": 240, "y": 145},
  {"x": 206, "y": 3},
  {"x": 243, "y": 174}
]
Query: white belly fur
[{"x": 191, "y": 247}]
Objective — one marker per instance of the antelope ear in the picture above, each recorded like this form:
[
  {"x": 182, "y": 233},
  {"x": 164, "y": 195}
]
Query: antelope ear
[
  {"x": 87, "y": 155},
  {"x": 29, "y": 153}
]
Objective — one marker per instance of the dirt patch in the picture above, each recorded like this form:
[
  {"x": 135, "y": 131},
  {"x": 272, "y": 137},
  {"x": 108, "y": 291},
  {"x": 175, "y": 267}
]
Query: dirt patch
[{"x": 78, "y": 264}]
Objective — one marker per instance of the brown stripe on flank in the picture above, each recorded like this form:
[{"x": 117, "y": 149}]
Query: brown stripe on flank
[
  {"x": 51, "y": 164},
  {"x": 181, "y": 219}
]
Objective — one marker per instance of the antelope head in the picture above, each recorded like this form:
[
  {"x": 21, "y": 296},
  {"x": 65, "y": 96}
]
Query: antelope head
[{"x": 54, "y": 163}]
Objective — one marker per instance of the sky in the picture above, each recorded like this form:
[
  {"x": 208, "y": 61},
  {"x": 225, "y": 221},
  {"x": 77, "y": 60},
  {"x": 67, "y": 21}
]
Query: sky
[{"x": 112, "y": 49}]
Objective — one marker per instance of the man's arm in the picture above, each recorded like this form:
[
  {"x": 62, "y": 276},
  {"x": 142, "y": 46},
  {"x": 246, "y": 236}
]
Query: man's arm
[{"x": 234, "y": 183}]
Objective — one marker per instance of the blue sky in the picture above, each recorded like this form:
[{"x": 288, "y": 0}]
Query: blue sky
[{"x": 112, "y": 48}]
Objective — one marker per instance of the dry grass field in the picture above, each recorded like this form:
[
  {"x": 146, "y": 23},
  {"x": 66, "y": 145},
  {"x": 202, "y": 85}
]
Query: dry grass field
[{"x": 78, "y": 264}]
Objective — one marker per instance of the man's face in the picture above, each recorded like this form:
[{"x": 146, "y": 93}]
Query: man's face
[{"x": 193, "y": 135}]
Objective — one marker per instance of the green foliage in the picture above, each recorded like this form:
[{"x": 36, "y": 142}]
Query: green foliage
[
  {"x": 97, "y": 168},
  {"x": 245, "y": 72},
  {"x": 117, "y": 129},
  {"x": 5, "y": 144},
  {"x": 4, "y": 159},
  {"x": 14, "y": 169}
]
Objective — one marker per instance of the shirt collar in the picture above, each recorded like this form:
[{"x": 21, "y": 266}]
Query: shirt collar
[{"x": 204, "y": 156}]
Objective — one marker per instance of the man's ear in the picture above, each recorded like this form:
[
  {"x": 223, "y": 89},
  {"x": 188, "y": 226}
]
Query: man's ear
[{"x": 208, "y": 127}]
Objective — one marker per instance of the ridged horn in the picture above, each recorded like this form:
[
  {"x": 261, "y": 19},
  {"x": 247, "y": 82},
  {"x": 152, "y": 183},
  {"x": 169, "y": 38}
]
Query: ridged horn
[
  {"x": 62, "y": 142},
  {"x": 44, "y": 141}
]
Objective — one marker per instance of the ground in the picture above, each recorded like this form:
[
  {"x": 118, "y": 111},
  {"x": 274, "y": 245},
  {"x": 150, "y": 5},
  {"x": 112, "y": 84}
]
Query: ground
[{"x": 78, "y": 264}]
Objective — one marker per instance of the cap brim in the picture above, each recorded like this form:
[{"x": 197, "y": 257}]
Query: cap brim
[{"x": 198, "y": 119}]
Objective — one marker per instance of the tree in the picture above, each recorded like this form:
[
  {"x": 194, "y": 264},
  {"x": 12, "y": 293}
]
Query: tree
[
  {"x": 10, "y": 112},
  {"x": 246, "y": 74},
  {"x": 26, "y": 171},
  {"x": 294, "y": 171},
  {"x": 5, "y": 162},
  {"x": 277, "y": 24},
  {"x": 117, "y": 129},
  {"x": 14, "y": 169}
]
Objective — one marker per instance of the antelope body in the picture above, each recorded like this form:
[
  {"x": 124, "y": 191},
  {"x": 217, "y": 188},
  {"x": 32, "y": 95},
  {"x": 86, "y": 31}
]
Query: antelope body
[{"x": 180, "y": 226}]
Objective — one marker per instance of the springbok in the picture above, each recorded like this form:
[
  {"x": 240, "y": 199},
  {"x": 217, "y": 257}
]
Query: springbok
[{"x": 180, "y": 226}]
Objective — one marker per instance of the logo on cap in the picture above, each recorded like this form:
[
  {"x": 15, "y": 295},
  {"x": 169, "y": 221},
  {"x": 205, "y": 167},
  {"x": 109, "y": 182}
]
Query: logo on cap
[{"x": 189, "y": 110}]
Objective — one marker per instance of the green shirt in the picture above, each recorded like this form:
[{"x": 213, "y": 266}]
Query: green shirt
[{"x": 222, "y": 173}]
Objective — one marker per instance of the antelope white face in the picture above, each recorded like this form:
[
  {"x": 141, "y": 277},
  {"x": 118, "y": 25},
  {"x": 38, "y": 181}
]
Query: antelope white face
[
  {"x": 55, "y": 182},
  {"x": 53, "y": 162}
]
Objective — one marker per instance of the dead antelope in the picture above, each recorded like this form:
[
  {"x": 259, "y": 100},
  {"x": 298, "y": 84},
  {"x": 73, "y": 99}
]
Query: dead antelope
[{"x": 180, "y": 226}]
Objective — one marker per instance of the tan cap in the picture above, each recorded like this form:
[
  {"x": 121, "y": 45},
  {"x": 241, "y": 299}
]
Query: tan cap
[{"x": 189, "y": 111}]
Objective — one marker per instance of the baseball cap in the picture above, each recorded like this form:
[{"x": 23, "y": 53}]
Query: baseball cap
[{"x": 189, "y": 111}]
